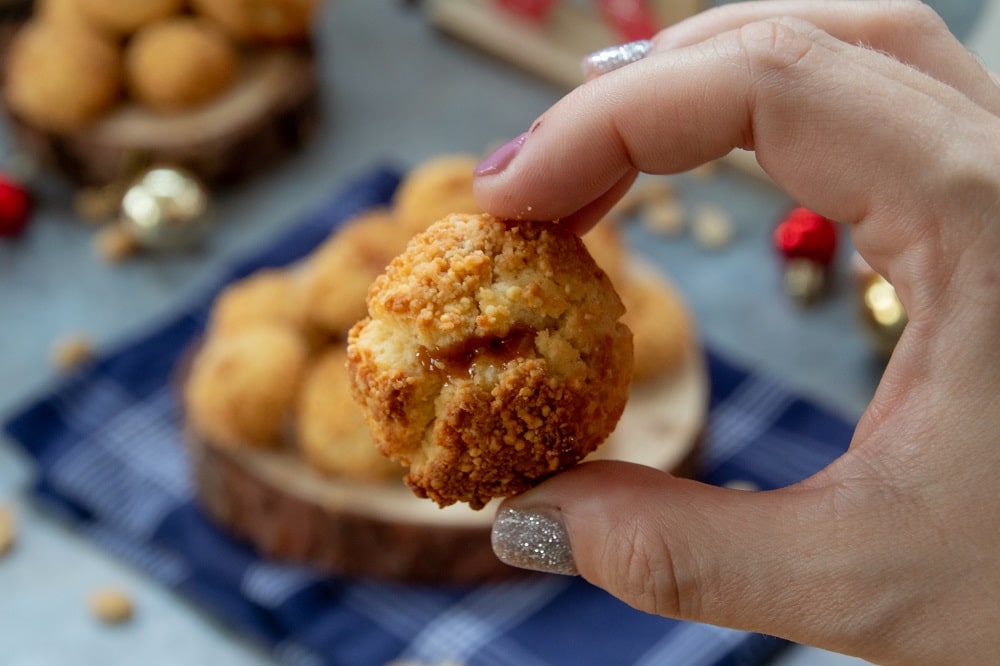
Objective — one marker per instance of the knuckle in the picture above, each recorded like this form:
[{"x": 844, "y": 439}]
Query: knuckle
[
  {"x": 777, "y": 44},
  {"x": 646, "y": 575}
]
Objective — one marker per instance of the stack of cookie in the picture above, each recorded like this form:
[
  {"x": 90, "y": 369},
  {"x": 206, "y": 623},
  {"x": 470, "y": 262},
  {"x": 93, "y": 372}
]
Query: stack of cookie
[
  {"x": 76, "y": 63},
  {"x": 271, "y": 370}
]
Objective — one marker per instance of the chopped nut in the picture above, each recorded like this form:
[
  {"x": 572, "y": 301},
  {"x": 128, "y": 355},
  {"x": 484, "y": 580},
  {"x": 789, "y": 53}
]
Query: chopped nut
[
  {"x": 72, "y": 352},
  {"x": 645, "y": 192},
  {"x": 97, "y": 205},
  {"x": 114, "y": 244},
  {"x": 7, "y": 530},
  {"x": 712, "y": 227},
  {"x": 665, "y": 217},
  {"x": 111, "y": 605}
]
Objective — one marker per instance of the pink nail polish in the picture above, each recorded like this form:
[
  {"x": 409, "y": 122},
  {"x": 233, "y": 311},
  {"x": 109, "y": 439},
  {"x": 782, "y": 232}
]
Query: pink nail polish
[{"x": 498, "y": 160}]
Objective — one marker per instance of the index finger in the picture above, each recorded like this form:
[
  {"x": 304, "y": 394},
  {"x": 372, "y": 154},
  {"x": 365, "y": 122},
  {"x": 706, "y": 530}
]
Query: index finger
[
  {"x": 911, "y": 32},
  {"x": 824, "y": 117}
]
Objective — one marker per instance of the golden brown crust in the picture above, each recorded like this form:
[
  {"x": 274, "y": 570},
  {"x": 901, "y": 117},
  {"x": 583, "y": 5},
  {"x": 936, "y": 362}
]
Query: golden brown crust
[
  {"x": 255, "y": 21},
  {"x": 123, "y": 18},
  {"x": 242, "y": 387},
  {"x": 267, "y": 296},
  {"x": 180, "y": 63},
  {"x": 435, "y": 188},
  {"x": 340, "y": 271},
  {"x": 59, "y": 78},
  {"x": 331, "y": 429},
  {"x": 63, "y": 13},
  {"x": 660, "y": 323},
  {"x": 492, "y": 357},
  {"x": 606, "y": 246}
]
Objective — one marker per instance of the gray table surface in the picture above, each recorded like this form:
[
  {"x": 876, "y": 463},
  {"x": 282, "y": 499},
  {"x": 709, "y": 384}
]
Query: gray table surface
[{"x": 396, "y": 92}]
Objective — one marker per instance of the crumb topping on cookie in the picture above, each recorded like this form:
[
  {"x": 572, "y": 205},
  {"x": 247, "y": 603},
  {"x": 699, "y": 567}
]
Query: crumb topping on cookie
[{"x": 492, "y": 357}]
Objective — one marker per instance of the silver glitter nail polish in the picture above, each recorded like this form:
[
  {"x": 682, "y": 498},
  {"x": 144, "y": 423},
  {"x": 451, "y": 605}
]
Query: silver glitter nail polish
[
  {"x": 532, "y": 540},
  {"x": 614, "y": 57}
]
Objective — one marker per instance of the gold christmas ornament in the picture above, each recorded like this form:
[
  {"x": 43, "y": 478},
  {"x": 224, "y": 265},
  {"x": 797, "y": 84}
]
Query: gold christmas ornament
[
  {"x": 881, "y": 310},
  {"x": 166, "y": 208},
  {"x": 805, "y": 280}
]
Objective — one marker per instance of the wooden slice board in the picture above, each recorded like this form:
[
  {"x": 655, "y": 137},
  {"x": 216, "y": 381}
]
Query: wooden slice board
[
  {"x": 271, "y": 110},
  {"x": 381, "y": 530},
  {"x": 551, "y": 49}
]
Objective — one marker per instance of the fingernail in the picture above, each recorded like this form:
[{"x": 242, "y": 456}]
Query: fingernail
[
  {"x": 498, "y": 160},
  {"x": 532, "y": 540},
  {"x": 614, "y": 57}
]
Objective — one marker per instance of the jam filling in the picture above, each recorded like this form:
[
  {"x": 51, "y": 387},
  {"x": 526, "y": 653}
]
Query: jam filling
[{"x": 460, "y": 359}]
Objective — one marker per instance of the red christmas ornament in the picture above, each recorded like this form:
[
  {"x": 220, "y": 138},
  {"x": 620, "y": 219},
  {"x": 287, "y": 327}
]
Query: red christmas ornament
[
  {"x": 807, "y": 242},
  {"x": 15, "y": 207},
  {"x": 534, "y": 10},
  {"x": 630, "y": 19},
  {"x": 804, "y": 234}
]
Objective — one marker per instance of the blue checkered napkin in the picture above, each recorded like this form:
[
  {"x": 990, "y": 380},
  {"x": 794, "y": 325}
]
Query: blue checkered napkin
[{"x": 107, "y": 445}]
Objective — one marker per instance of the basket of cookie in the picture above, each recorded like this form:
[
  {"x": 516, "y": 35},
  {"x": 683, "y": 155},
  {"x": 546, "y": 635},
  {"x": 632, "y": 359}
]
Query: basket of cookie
[
  {"x": 98, "y": 89},
  {"x": 366, "y": 409}
]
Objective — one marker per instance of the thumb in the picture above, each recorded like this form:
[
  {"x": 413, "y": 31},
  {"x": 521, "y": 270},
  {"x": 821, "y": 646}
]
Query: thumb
[{"x": 758, "y": 561}]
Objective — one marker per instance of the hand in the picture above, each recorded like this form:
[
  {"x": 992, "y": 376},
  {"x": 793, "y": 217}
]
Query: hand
[{"x": 873, "y": 114}]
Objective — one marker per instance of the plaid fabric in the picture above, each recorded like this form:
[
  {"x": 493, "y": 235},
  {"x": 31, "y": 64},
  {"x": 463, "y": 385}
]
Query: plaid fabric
[{"x": 109, "y": 456}]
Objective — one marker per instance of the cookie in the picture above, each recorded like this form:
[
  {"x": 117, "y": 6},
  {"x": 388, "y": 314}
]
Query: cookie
[
  {"x": 605, "y": 244},
  {"x": 61, "y": 79},
  {"x": 242, "y": 387},
  {"x": 180, "y": 63},
  {"x": 63, "y": 13},
  {"x": 338, "y": 273},
  {"x": 261, "y": 20},
  {"x": 331, "y": 430},
  {"x": 492, "y": 357},
  {"x": 123, "y": 17},
  {"x": 435, "y": 188},
  {"x": 267, "y": 296},
  {"x": 660, "y": 323}
]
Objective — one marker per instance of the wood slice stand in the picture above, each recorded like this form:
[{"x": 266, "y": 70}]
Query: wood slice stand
[
  {"x": 268, "y": 114},
  {"x": 551, "y": 50},
  {"x": 381, "y": 530}
]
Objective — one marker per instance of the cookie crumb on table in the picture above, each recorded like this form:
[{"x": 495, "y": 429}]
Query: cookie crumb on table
[
  {"x": 111, "y": 605},
  {"x": 712, "y": 228},
  {"x": 7, "y": 530},
  {"x": 665, "y": 217},
  {"x": 72, "y": 352},
  {"x": 114, "y": 244}
]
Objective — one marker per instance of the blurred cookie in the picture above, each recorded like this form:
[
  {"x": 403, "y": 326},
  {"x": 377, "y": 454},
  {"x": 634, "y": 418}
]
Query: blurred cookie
[
  {"x": 63, "y": 13},
  {"x": 123, "y": 17},
  {"x": 242, "y": 387},
  {"x": 332, "y": 432},
  {"x": 261, "y": 20},
  {"x": 435, "y": 188},
  {"x": 605, "y": 245},
  {"x": 660, "y": 323},
  {"x": 267, "y": 296},
  {"x": 180, "y": 63},
  {"x": 61, "y": 79},
  {"x": 492, "y": 358},
  {"x": 339, "y": 272}
]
